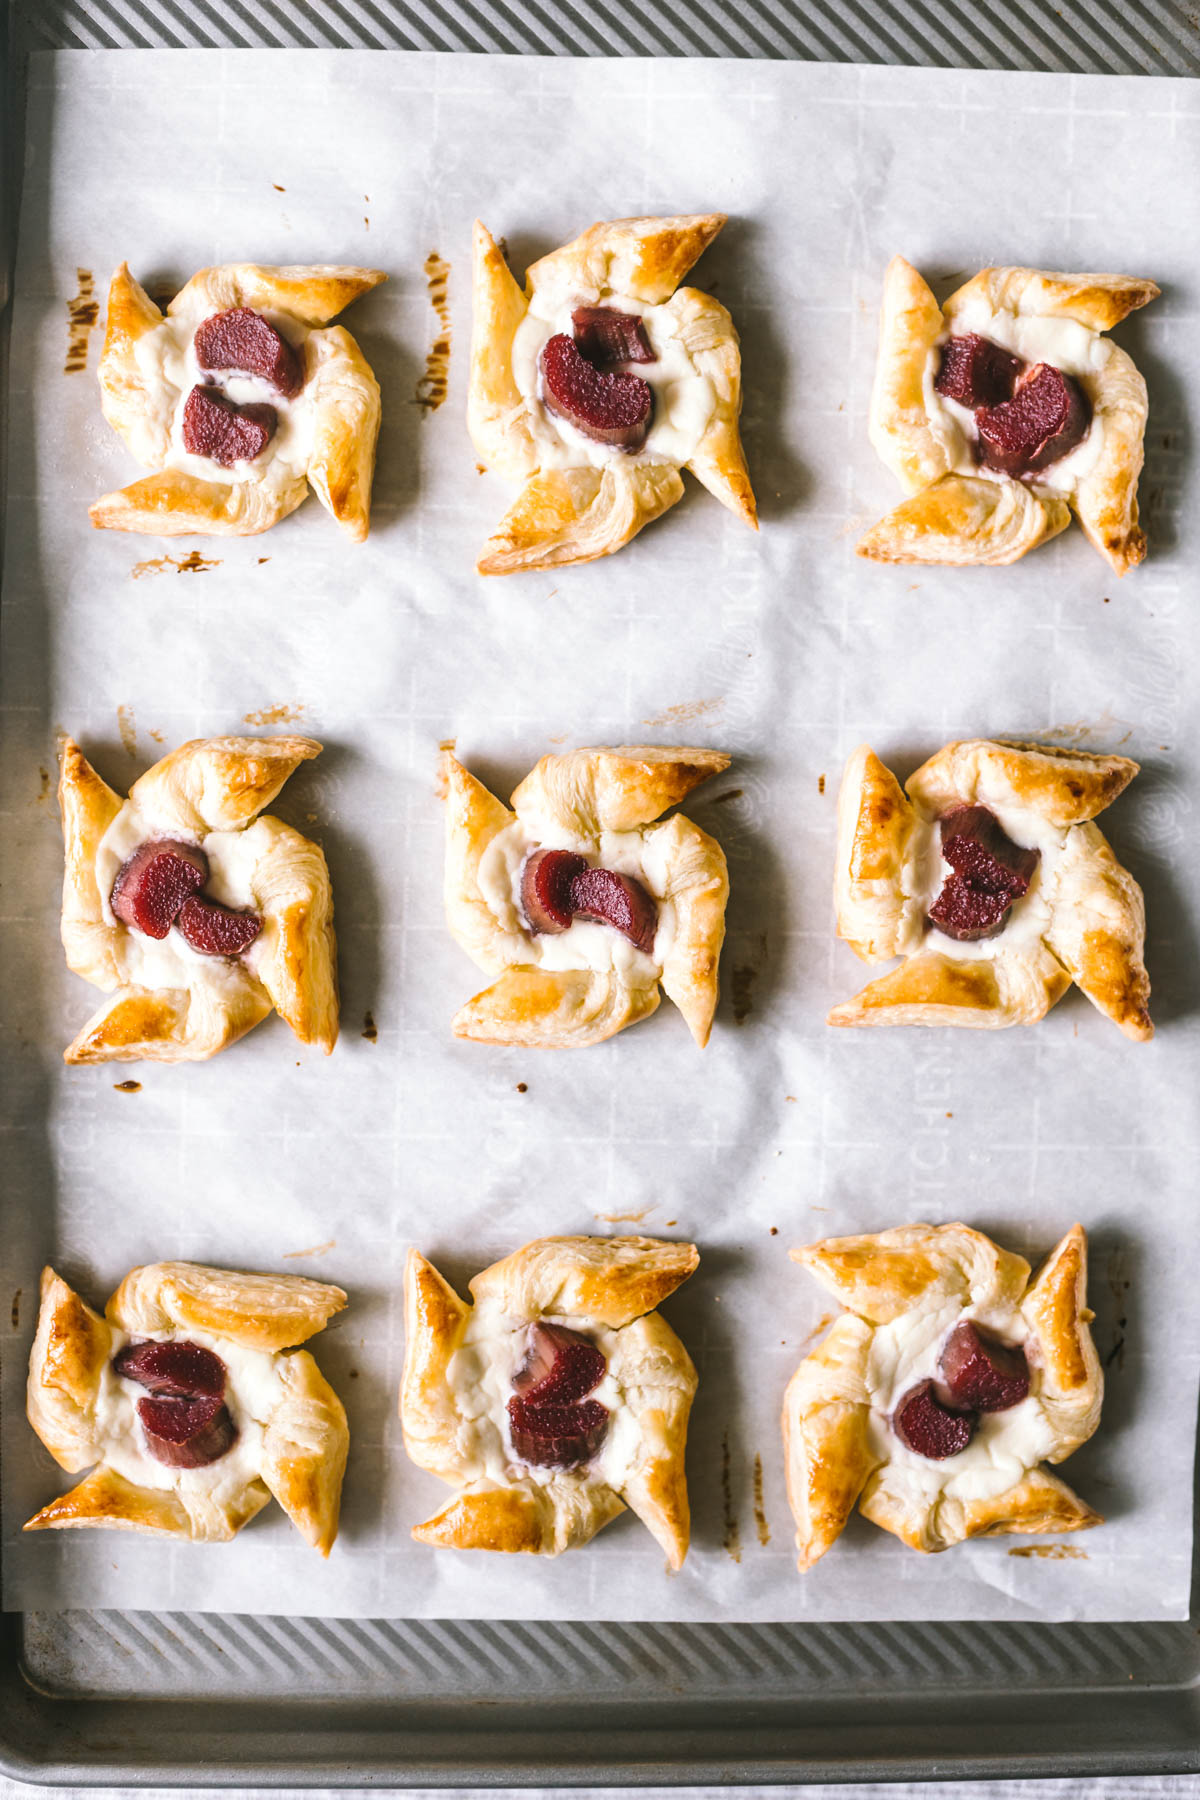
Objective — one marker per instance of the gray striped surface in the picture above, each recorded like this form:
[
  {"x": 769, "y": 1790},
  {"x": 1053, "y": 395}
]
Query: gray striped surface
[{"x": 1131, "y": 37}]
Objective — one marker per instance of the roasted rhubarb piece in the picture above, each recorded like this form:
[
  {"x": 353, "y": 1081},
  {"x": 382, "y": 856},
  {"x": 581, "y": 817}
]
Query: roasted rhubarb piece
[
  {"x": 557, "y": 1437},
  {"x": 187, "y": 1433},
  {"x": 215, "y": 427},
  {"x": 546, "y": 888},
  {"x": 175, "y": 1367},
  {"x": 976, "y": 372},
  {"x": 980, "y": 1373},
  {"x": 616, "y": 900},
  {"x": 931, "y": 1429},
  {"x": 609, "y": 408},
  {"x": 606, "y": 336},
  {"x": 1049, "y": 414},
  {"x": 154, "y": 883},
  {"x": 990, "y": 872},
  {"x": 243, "y": 342},
  {"x": 561, "y": 1366},
  {"x": 216, "y": 930}
]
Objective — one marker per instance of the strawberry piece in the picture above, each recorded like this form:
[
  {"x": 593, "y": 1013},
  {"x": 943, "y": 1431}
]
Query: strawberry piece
[
  {"x": 982, "y": 1373},
  {"x": 154, "y": 883},
  {"x": 546, "y": 889},
  {"x": 990, "y": 872},
  {"x": 187, "y": 1434},
  {"x": 607, "y": 336},
  {"x": 611, "y": 409},
  {"x": 216, "y": 930},
  {"x": 557, "y": 1437},
  {"x": 177, "y": 1368},
  {"x": 215, "y": 427},
  {"x": 928, "y": 1427},
  {"x": 244, "y": 342},
  {"x": 616, "y": 900},
  {"x": 560, "y": 1366},
  {"x": 1047, "y": 416},
  {"x": 976, "y": 372}
]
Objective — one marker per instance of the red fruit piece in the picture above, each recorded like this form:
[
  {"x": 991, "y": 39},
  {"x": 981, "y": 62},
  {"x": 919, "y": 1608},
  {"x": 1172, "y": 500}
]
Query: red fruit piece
[
  {"x": 616, "y": 900},
  {"x": 248, "y": 344},
  {"x": 560, "y": 1366},
  {"x": 152, "y": 886},
  {"x": 990, "y": 872},
  {"x": 557, "y": 1437},
  {"x": 976, "y": 372},
  {"x": 982, "y": 1373},
  {"x": 214, "y": 427},
  {"x": 612, "y": 409},
  {"x": 187, "y": 1434},
  {"x": 605, "y": 336},
  {"x": 928, "y": 1427},
  {"x": 546, "y": 888},
  {"x": 176, "y": 1368},
  {"x": 1047, "y": 416},
  {"x": 217, "y": 930}
]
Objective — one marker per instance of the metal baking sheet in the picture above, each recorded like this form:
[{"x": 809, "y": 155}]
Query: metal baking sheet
[{"x": 97, "y": 1696}]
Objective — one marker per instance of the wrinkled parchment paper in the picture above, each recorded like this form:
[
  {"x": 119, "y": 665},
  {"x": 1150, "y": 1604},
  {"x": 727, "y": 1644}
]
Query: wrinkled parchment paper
[{"x": 781, "y": 648}]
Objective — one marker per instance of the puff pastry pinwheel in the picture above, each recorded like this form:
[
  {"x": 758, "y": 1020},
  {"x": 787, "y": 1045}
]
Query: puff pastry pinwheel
[
  {"x": 554, "y": 1401},
  {"x": 991, "y": 881},
  {"x": 239, "y": 398},
  {"x": 579, "y": 903},
  {"x": 1004, "y": 411},
  {"x": 195, "y": 910},
  {"x": 189, "y": 1403},
  {"x": 596, "y": 384},
  {"x": 934, "y": 1401}
]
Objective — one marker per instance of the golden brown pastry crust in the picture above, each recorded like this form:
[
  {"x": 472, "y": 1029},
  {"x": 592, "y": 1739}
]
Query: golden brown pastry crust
[
  {"x": 574, "y": 513},
  {"x": 340, "y": 388},
  {"x": 991, "y": 519},
  {"x": 591, "y": 1284},
  {"x": 305, "y": 1435},
  {"x": 210, "y": 784},
  {"x": 578, "y": 796},
  {"x": 920, "y": 1271},
  {"x": 1094, "y": 933}
]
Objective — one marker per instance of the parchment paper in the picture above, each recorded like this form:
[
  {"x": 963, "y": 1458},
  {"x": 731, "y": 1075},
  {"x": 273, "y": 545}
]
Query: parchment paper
[{"x": 781, "y": 648}]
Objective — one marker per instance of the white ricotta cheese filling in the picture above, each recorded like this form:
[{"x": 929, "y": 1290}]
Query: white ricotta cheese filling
[
  {"x": 1074, "y": 348},
  {"x": 166, "y": 358},
  {"x": 480, "y": 1374},
  {"x": 585, "y": 944},
  {"x": 684, "y": 399},
  {"x": 171, "y": 962},
  {"x": 926, "y": 871},
  {"x": 1005, "y": 1444},
  {"x": 253, "y": 1391}
]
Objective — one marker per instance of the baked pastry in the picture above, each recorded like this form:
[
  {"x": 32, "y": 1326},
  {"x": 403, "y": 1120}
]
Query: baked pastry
[
  {"x": 1004, "y": 411},
  {"x": 993, "y": 884},
  {"x": 239, "y": 397},
  {"x": 597, "y": 384},
  {"x": 555, "y": 1400},
  {"x": 937, "y": 1397},
  {"x": 184, "y": 1398},
  {"x": 578, "y": 902},
  {"x": 193, "y": 908}
]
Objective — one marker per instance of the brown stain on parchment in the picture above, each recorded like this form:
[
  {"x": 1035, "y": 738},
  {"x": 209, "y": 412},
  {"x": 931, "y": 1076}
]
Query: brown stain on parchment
[
  {"x": 625, "y": 1218},
  {"x": 820, "y": 784},
  {"x": 434, "y": 384},
  {"x": 82, "y": 313},
  {"x": 1118, "y": 1287},
  {"x": 286, "y": 713},
  {"x": 191, "y": 564},
  {"x": 440, "y": 785},
  {"x": 314, "y": 1250},
  {"x": 686, "y": 712},
  {"x": 745, "y": 975},
  {"x": 819, "y": 1329},
  {"x": 760, "y": 1511},
  {"x": 43, "y": 793},
  {"x": 127, "y": 726},
  {"x": 733, "y": 1537},
  {"x": 1081, "y": 731},
  {"x": 370, "y": 1030},
  {"x": 727, "y": 796},
  {"x": 1051, "y": 1552},
  {"x": 16, "y": 1309},
  {"x": 127, "y": 1087}
]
